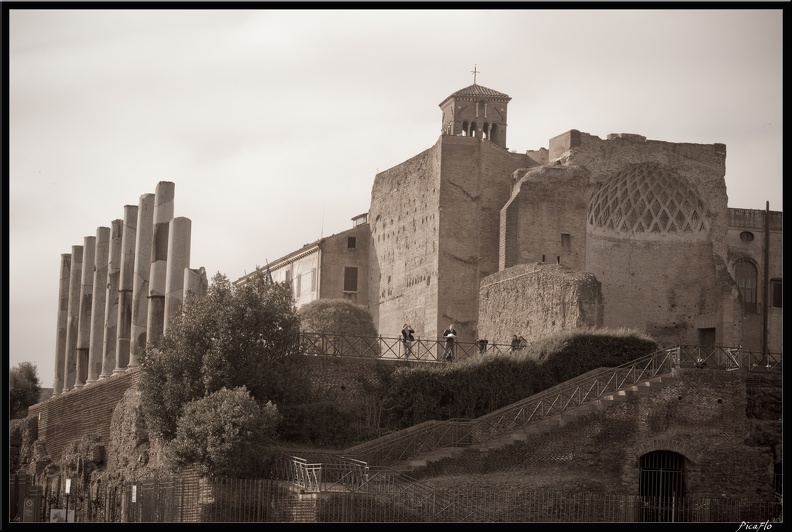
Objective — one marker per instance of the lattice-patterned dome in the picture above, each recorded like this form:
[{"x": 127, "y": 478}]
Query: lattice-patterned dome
[{"x": 651, "y": 199}]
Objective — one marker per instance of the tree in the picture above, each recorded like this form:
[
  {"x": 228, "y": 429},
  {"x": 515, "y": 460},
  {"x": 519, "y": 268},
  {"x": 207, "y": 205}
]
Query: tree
[
  {"x": 226, "y": 434},
  {"x": 236, "y": 335},
  {"x": 340, "y": 317},
  {"x": 24, "y": 388},
  {"x": 337, "y": 316}
]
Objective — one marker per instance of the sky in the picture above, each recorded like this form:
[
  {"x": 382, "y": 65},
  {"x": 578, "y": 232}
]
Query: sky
[{"x": 272, "y": 124}]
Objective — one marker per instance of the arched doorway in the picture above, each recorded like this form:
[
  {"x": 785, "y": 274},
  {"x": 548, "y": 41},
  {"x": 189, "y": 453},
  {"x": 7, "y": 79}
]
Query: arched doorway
[{"x": 661, "y": 486}]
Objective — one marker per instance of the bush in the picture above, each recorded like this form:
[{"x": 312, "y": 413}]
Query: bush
[
  {"x": 340, "y": 317},
  {"x": 226, "y": 434},
  {"x": 475, "y": 387},
  {"x": 336, "y": 316},
  {"x": 246, "y": 335}
]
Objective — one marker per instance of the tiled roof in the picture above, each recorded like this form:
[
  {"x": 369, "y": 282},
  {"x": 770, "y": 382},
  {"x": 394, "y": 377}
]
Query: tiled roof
[{"x": 477, "y": 91}]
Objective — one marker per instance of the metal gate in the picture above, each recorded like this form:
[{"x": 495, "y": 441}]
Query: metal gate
[{"x": 661, "y": 486}]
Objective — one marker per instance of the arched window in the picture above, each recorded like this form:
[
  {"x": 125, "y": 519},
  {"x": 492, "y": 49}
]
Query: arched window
[
  {"x": 661, "y": 485},
  {"x": 745, "y": 274}
]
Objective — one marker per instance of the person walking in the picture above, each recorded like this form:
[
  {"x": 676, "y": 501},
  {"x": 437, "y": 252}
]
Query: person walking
[
  {"x": 450, "y": 343},
  {"x": 407, "y": 339}
]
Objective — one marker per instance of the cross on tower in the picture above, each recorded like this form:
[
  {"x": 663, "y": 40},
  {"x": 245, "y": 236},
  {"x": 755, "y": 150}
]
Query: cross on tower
[{"x": 474, "y": 72}]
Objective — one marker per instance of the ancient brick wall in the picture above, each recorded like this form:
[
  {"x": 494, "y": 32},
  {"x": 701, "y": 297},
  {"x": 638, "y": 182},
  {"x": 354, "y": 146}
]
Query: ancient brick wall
[
  {"x": 437, "y": 212},
  {"x": 403, "y": 219},
  {"x": 476, "y": 182},
  {"x": 80, "y": 412},
  {"x": 534, "y": 300},
  {"x": 545, "y": 219},
  {"x": 702, "y": 415},
  {"x": 89, "y": 410}
]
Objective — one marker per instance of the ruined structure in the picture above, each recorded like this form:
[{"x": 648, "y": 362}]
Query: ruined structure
[
  {"x": 646, "y": 222},
  {"x": 105, "y": 306}
]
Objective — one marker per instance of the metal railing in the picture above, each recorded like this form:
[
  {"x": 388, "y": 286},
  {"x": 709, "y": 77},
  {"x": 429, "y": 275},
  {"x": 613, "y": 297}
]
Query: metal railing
[
  {"x": 348, "y": 475},
  {"x": 728, "y": 358},
  {"x": 326, "y": 344},
  {"x": 585, "y": 389}
]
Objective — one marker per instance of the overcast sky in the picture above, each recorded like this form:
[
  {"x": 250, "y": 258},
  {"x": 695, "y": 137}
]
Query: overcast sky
[{"x": 273, "y": 124}]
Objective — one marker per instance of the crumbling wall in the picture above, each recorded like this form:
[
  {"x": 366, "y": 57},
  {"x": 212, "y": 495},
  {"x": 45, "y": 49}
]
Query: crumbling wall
[{"x": 534, "y": 300}]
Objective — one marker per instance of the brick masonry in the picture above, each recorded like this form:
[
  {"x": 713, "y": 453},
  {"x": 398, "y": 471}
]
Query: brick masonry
[
  {"x": 725, "y": 424},
  {"x": 702, "y": 415}
]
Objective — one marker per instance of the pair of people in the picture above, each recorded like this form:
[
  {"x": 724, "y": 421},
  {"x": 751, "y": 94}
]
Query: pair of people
[
  {"x": 449, "y": 334},
  {"x": 518, "y": 343},
  {"x": 407, "y": 339}
]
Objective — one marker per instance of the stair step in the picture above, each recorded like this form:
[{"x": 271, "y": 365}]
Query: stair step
[{"x": 542, "y": 426}]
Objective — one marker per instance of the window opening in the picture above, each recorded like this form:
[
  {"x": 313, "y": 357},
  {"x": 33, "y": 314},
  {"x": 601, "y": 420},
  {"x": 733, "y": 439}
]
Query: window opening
[
  {"x": 777, "y": 291},
  {"x": 350, "y": 279},
  {"x": 706, "y": 336},
  {"x": 745, "y": 272},
  {"x": 566, "y": 242},
  {"x": 351, "y": 242}
]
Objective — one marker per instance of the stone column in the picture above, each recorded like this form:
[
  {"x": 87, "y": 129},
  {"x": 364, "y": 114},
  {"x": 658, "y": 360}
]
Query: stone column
[
  {"x": 86, "y": 304},
  {"x": 72, "y": 319},
  {"x": 163, "y": 213},
  {"x": 178, "y": 261},
  {"x": 126, "y": 279},
  {"x": 63, "y": 311},
  {"x": 96, "y": 347},
  {"x": 140, "y": 284},
  {"x": 195, "y": 284},
  {"x": 111, "y": 303}
]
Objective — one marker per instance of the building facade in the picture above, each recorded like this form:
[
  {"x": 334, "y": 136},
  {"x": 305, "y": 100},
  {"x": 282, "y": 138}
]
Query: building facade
[
  {"x": 646, "y": 222},
  {"x": 333, "y": 267}
]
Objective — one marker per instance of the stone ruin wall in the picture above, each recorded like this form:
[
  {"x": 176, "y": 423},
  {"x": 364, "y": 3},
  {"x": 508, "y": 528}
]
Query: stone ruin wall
[
  {"x": 476, "y": 182},
  {"x": 660, "y": 283},
  {"x": 546, "y": 202},
  {"x": 703, "y": 165},
  {"x": 534, "y": 300},
  {"x": 403, "y": 220}
]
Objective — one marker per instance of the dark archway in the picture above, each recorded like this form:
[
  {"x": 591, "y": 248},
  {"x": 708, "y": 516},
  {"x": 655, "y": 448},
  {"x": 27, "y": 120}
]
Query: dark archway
[{"x": 661, "y": 485}]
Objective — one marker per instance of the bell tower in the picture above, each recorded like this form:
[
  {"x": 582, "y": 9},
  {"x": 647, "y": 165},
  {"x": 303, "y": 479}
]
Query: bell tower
[{"x": 476, "y": 111}]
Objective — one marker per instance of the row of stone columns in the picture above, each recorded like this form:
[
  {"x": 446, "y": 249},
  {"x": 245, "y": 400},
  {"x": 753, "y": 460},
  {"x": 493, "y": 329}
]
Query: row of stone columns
[{"x": 119, "y": 290}]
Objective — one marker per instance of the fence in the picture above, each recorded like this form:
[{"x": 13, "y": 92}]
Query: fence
[
  {"x": 711, "y": 357},
  {"x": 323, "y": 344},
  {"x": 586, "y": 389},
  {"x": 385, "y": 497}
]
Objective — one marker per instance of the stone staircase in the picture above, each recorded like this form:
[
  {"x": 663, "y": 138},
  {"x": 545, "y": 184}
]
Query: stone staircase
[{"x": 542, "y": 426}]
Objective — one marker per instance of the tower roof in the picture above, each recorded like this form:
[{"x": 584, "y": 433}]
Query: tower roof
[{"x": 477, "y": 91}]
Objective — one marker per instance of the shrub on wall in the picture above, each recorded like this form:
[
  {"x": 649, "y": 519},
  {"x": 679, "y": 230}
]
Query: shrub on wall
[
  {"x": 340, "y": 317},
  {"x": 481, "y": 385}
]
